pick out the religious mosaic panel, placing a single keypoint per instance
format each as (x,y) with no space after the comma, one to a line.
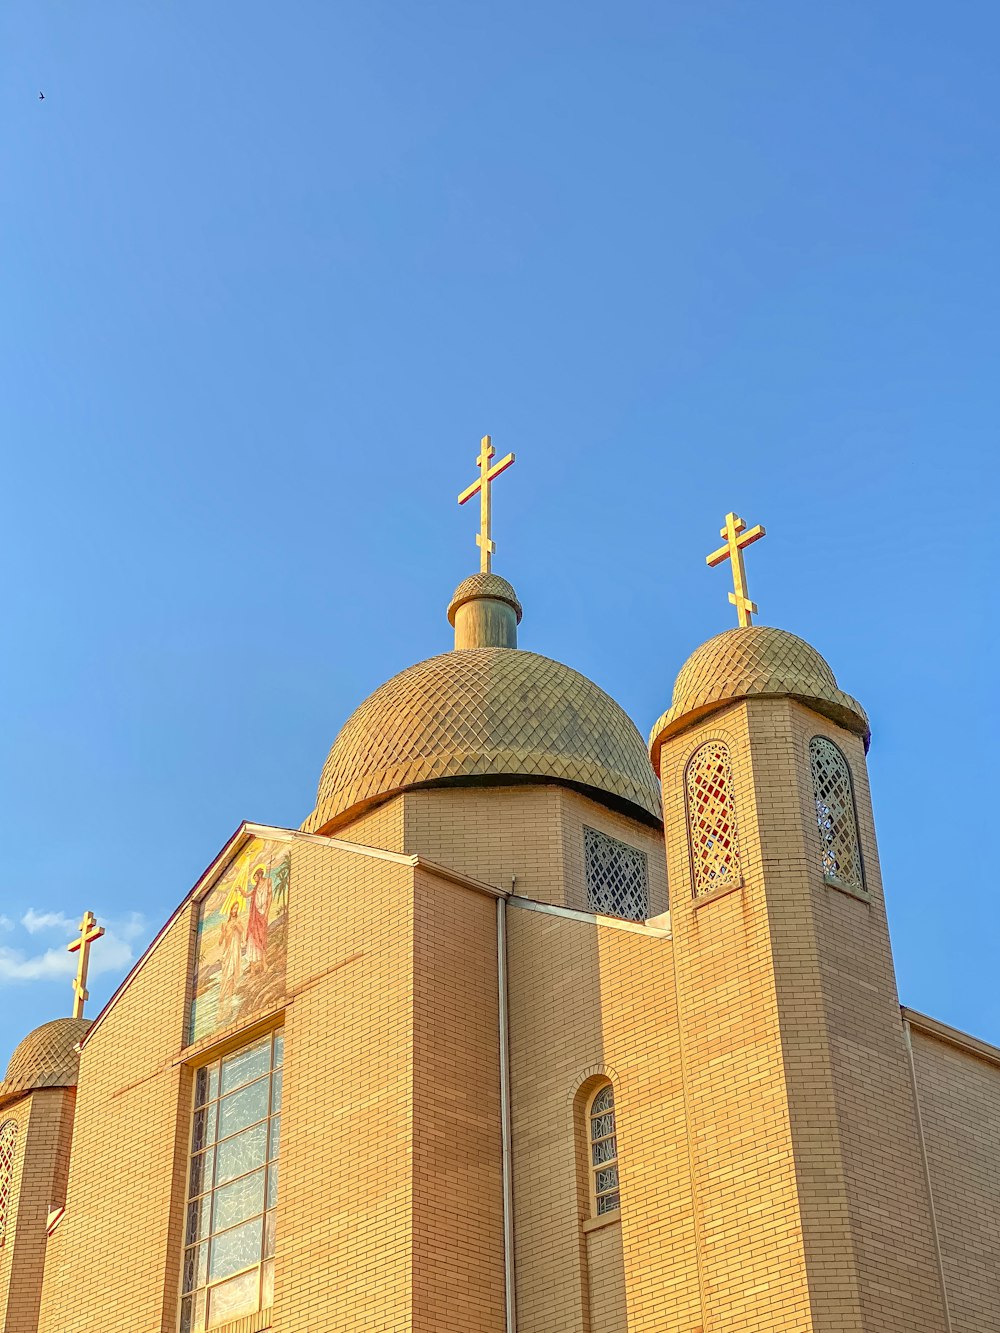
(242,938)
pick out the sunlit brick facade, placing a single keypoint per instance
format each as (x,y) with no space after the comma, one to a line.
(498,1109)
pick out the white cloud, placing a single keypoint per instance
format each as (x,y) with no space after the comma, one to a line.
(16,966)
(114,953)
(5,922)
(34,921)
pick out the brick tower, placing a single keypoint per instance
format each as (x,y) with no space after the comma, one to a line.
(811,1203)
(37,1099)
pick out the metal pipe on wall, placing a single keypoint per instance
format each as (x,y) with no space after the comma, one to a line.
(505,1134)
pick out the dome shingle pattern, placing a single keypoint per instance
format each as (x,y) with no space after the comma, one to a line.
(46,1058)
(484,585)
(755,660)
(485,713)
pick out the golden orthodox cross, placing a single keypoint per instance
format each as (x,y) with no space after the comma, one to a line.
(737,536)
(89,932)
(484,486)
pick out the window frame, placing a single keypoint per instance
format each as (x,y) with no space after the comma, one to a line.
(835,881)
(593,1169)
(209,1193)
(638,852)
(7,1173)
(737,878)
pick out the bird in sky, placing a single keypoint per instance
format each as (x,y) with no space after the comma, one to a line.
(41,97)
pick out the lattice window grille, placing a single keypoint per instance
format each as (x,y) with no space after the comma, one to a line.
(604,1152)
(617,877)
(715,847)
(836,817)
(8,1142)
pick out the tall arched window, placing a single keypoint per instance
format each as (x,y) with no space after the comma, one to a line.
(715,847)
(836,817)
(603,1143)
(8,1142)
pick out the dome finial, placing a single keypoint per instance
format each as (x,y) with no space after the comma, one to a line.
(483,487)
(485,612)
(733,551)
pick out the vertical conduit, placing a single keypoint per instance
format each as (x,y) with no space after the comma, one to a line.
(508,1181)
(927,1173)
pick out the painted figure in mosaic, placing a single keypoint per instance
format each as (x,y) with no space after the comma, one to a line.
(259,904)
(231,953)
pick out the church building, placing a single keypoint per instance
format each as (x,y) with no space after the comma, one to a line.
(531,1027)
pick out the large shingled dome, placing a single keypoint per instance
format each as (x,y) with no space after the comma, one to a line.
(486,714)
(755,660)
(46,1058)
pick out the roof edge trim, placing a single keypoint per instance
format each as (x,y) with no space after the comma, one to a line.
(933,1027)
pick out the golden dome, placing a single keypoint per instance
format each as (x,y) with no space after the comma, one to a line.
(755,660)
(46,1058)
(486,714)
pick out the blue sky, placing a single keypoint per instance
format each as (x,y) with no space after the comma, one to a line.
(270,271)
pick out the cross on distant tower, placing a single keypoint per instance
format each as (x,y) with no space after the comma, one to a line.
(737,536)
(89,932)
(483,486)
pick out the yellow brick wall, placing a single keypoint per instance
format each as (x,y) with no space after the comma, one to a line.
(809,1191)
(770,1160)
(346,1196)
(606,1280)
(588,1001)
(389,1211)
(751,1261)
(45,1124)
(458,1274)
(885,1187)
(533,834)
(959,1096)
(114,1260)
(381,827)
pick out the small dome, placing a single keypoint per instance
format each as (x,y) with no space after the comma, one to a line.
(486,714)
(484,585)
(755,660)
(47,1057)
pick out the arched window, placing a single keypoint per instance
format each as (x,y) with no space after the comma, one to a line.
(617,877)
(836,817)
(603,1142)
(715,847)
(8,1142)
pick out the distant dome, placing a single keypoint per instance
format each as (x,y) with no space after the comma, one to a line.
(46,1058)
(755,660)
(486,714)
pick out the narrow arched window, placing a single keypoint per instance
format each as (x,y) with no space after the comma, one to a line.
(836,815)
(604,1194)
(8,1142)
(715,847)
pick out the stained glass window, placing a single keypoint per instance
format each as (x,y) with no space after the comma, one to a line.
(836,817)
(715,846)
(8,1142)
(228,1268)
(617,882)
(603,1152)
